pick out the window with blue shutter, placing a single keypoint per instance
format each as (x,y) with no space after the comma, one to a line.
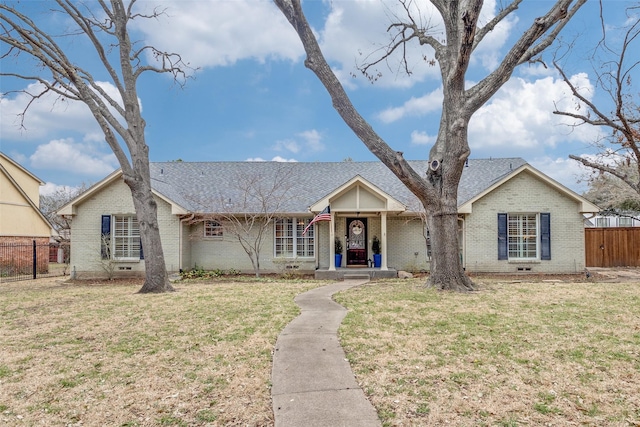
(545,236)
(105,237)
(502,237)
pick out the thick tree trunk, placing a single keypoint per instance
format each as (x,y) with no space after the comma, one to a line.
(446,266)
(156,278)
(451,151)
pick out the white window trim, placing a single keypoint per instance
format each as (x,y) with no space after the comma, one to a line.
(114,238)
(311,234)
(524,259)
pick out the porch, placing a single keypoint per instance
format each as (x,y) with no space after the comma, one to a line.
(343,273)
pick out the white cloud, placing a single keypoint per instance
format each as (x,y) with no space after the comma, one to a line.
(287,145)
(520,116)
(413,107)
(351,33)
(422,138)
(275,159)
(46,115)
(221,33)
(312,140)
(282,159)
(50,115)
(487,52)
(355,33)
(67,155)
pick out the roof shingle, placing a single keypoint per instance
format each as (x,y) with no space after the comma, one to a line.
(198,186)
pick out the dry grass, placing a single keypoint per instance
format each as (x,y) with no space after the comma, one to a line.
(100,354)
(513,354)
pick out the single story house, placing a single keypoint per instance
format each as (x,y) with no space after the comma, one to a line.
(512,218)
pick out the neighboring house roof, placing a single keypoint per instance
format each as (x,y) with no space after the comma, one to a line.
(198,187)
(19,166)
(26,178)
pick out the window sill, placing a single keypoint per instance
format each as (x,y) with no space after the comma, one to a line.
(524,261)
(128,260)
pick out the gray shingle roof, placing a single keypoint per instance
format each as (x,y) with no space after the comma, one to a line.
(200,186)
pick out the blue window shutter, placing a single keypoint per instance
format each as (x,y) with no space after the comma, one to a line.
(545,236)
(105,236)
(502,236)
(141,252)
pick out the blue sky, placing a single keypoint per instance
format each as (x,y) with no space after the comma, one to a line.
(253,99)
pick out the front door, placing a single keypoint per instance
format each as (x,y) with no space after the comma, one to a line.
(357,242)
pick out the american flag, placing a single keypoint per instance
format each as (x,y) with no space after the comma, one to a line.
(325,215)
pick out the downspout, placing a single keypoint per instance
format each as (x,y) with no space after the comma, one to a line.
(463,261)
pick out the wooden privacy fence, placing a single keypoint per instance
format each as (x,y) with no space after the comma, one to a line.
(612,247)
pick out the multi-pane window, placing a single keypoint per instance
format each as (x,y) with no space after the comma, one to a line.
(213,229)
(289,241)
(602,222)
(126,237)
(304,244)
(523,236)
(624,221)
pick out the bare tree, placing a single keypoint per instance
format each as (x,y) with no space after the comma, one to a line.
(246,209)
(49,205)
(104,24)
(611,193)
(614,62)
(438,190)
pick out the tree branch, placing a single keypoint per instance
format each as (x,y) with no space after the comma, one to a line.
(316,62)
(522,51)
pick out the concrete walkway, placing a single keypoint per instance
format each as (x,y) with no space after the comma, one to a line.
(312,383)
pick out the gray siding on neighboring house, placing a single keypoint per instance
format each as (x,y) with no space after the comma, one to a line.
(525,194)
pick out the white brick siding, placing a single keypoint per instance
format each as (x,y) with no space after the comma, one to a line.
(116,199)
(524,194)
(186,247)
(226,253)
(405,239)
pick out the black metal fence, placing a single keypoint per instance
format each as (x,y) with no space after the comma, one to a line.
(20,261)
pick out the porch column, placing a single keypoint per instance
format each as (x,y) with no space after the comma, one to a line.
(332,238)
(383,231)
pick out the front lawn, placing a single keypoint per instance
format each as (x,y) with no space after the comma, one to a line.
(513,354)
(102,355)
